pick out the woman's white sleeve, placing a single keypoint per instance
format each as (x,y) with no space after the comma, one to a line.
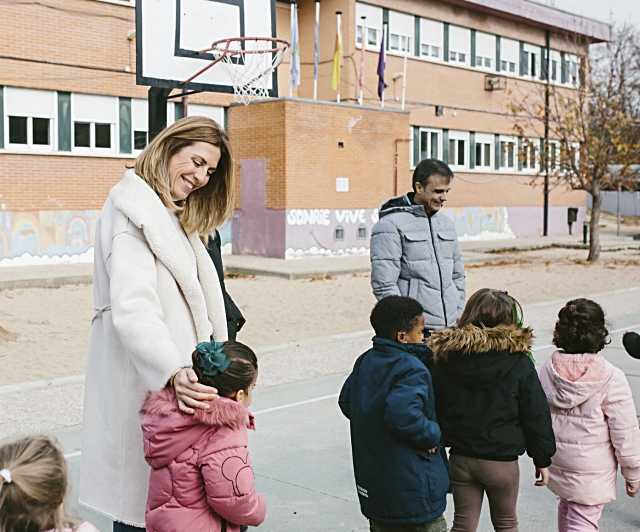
(137,313)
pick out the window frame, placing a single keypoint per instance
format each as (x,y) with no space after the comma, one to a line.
(459,137)
(429,132)
(29,145)
(483,139)
(513,141)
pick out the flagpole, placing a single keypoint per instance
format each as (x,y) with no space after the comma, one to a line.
(361,76)
(385,36)
(404,79)
(316,51)
(339,37)
(293,51)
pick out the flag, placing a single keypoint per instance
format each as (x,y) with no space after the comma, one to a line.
(295,48)
(381,66)
(337,61)
(316,50)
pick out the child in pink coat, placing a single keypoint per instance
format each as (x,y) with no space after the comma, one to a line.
(201,477)
(594,419)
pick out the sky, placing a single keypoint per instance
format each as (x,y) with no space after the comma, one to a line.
(617,11)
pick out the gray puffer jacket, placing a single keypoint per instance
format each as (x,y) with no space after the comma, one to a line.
(416,255)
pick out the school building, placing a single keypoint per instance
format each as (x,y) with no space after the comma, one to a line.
(312,172)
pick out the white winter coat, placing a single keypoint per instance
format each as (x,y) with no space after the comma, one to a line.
(156,295)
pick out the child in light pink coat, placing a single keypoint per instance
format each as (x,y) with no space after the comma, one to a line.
(201,477)
(594,419)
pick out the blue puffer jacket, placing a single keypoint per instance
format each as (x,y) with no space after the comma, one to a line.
(389,400)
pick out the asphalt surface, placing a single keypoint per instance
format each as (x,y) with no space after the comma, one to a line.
(301,450)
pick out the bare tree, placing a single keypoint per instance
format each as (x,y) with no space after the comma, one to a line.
(591,128)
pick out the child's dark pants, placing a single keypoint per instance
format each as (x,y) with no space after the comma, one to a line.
(470,479)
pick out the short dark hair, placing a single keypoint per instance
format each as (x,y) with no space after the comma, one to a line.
(240,375)
(428,167)
(394,314)
(581,327)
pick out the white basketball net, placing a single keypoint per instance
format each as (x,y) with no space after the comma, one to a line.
(250,69)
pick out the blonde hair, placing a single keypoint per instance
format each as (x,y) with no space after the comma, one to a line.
(32,501)
(205,208)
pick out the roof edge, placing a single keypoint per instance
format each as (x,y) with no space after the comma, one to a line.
(594,30)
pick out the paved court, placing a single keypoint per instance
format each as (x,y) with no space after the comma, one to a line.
(301,448)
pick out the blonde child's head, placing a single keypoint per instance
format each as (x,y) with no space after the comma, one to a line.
(489,308)
(231,367)
(33,484)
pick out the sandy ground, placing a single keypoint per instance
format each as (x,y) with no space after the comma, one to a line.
(49,327)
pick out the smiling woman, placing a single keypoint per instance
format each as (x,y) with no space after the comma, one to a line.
(156,295)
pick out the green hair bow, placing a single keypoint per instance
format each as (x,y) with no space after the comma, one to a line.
(213,361)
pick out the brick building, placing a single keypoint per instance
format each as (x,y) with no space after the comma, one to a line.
(312,172)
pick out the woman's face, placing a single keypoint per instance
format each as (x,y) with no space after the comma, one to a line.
(191,168)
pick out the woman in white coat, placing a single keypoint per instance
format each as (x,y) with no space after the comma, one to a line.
(156,295)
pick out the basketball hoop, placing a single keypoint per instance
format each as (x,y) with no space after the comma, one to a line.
(248,62)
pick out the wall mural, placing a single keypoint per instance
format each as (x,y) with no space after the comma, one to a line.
(46,233)
(347,231)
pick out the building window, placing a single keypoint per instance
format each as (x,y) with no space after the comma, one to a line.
(139,140)
(485,50)
(372,25)
(573,72)
(338,233)
(18,130)
(509,52)
(29,131)
(41,131)
(554,70)
(362,233)
(82,134)
(507,154)
(399,43)
(459,45)
(431,39)
(429,144)
(483,153)
(553,155)
(88,135)
(529,155)
(458,142)
(103,135)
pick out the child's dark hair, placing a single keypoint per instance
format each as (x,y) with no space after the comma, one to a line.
(32,495)
(394,314)
(489,308)
(240,373)
(581,327)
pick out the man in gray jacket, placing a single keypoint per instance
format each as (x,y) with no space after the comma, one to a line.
(415,251)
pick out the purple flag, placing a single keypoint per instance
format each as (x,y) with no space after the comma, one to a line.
(381,65)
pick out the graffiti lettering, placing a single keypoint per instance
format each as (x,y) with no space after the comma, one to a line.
(353,216)
(308,217)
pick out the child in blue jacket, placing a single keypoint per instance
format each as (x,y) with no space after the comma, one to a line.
(399,464)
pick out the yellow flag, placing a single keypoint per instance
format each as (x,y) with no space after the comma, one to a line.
(337,63)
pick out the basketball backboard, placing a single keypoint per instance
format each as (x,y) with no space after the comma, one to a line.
(171,34)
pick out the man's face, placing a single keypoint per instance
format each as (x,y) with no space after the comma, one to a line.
(433,196)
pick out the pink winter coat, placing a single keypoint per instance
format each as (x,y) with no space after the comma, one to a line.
(596,428)
(201,475)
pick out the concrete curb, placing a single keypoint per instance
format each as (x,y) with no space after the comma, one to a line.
(46,282)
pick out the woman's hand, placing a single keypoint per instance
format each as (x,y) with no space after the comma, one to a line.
(190,393)
(632,488)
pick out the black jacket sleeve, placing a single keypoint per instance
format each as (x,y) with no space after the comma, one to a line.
(344,401)
(535,417)
(235,319)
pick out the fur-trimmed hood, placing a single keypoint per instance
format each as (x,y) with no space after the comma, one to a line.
(472,340)
(168,431)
